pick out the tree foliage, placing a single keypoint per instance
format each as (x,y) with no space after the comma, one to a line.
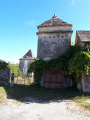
(3,65)
(14,68)
(80,62)
(72,63)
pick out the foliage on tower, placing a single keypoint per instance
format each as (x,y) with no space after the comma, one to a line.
(75,61)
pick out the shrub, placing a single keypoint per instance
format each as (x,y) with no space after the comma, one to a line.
(3,65)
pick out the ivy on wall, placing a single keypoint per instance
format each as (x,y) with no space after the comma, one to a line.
(72,63)
(80,62)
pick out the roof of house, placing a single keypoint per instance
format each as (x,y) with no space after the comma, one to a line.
(84,36)
(55,21)
(29,55)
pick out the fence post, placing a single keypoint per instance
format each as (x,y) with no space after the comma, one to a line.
(24,79)
(17,79)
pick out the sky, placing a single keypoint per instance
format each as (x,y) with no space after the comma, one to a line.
(19,20)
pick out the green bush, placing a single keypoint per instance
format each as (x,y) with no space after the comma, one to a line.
(14,68)
(3,65)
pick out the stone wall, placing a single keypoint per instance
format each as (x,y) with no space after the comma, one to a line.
(24,64)
(79,85)
(55,28)
(21,64)
(86,82)
(67,82)
(4,76)
(52,45)
(78,41)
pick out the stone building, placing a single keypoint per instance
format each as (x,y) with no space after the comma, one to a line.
(25,61)
(83,37)
(54,38)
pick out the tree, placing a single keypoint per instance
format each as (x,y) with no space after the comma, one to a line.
(14,68)
(3,65)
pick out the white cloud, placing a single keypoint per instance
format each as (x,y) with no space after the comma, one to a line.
(72,2)
(31,23)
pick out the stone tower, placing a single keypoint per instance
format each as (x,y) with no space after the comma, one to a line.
(54,38)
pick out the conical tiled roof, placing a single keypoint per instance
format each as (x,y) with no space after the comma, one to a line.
(28,55)
(55,21)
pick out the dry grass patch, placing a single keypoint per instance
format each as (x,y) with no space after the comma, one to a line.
(23,81)
(3,95)
(84,101)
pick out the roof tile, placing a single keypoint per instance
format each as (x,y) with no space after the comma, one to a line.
(84,35)
(55,21)
(28,55)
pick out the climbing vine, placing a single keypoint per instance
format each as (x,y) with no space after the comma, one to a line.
(72,63)
(80,62)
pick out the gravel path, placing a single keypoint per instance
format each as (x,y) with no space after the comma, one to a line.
(55,110)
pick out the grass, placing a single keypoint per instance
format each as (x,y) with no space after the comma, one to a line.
(3,95)
(19,92)
(83,100)
(87,106)
(42,93)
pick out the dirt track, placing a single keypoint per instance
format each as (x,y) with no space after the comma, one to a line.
(35,110)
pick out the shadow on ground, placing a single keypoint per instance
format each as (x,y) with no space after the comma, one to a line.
(37,94)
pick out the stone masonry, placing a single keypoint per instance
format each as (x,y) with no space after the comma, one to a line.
(54,38)
(25,61)
(5,76)
(82,37)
